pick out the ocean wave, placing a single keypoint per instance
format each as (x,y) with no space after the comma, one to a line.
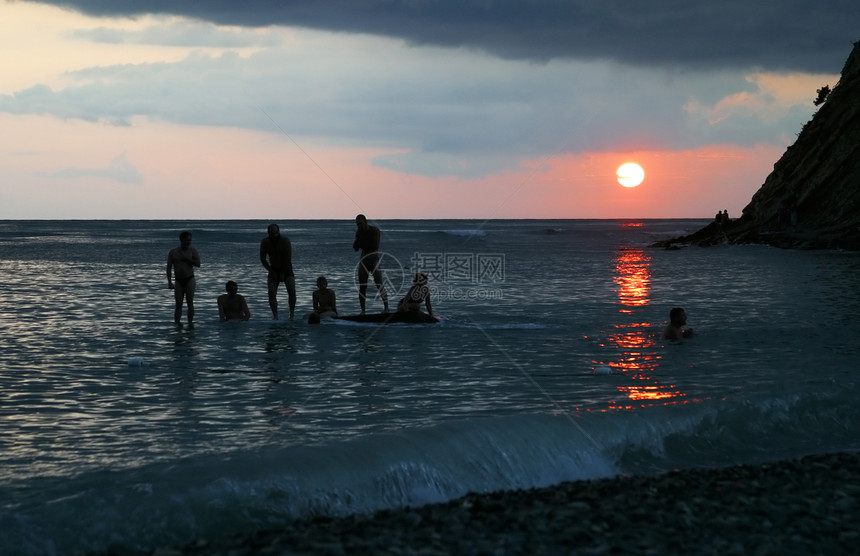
(217,494)
(465,233)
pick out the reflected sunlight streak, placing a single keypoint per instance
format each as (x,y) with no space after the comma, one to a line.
(636,342)
(633,279)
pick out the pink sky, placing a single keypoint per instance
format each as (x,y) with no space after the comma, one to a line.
(147,129)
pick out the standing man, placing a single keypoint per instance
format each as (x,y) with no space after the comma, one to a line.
(276,254)
(183,259)
(367,240)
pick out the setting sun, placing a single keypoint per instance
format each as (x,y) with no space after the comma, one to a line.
(630,174)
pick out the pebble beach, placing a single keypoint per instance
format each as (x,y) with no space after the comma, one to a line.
(805,506)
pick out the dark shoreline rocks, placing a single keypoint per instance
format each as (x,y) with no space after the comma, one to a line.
(742,232)
(805,506)
(811,200)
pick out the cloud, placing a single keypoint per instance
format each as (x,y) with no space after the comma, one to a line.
(119,170)
(435,102)
(182,34)
(799,36)
(435,111)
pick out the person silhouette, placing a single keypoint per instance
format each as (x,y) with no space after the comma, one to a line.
(232,305)
(417,294)
(324,299)
(367,240)
(276,255)
(674,330)
(182,260)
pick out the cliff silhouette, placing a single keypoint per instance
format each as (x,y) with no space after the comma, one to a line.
(811,200)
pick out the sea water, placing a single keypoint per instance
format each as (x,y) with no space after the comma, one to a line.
(119,427)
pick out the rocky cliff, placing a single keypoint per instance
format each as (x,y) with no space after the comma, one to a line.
(812,198)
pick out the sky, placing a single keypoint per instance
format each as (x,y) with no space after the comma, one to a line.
(319,109)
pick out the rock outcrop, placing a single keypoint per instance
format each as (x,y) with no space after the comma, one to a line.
(811,199)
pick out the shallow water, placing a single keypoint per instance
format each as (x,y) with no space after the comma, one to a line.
(547,366)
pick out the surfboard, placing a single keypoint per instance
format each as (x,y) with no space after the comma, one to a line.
(409,317)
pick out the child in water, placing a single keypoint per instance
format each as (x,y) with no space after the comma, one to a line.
(417,293)
(232,305)
(325,300)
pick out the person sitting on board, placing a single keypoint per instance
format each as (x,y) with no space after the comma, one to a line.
(418,293)
(675,330)
(325,300)
(232,305)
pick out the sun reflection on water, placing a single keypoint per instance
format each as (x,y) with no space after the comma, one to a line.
(635,343)
(633,279)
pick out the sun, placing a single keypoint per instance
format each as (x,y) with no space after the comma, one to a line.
(630,174)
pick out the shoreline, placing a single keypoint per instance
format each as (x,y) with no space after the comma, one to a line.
(807,505)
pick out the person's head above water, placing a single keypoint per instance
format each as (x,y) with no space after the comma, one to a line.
(678,316)
(674,330)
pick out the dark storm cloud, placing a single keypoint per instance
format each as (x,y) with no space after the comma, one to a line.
(772,34)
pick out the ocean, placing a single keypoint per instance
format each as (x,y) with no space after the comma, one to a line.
(119,427)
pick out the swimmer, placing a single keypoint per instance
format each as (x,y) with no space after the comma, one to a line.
(675,330)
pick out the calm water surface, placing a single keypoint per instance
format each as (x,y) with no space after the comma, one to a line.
(547,366)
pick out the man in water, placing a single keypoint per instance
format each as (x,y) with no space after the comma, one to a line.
(276,254)
(675,330)
(232,305)
(183,259)
(367,240)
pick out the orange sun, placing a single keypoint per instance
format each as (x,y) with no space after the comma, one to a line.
(630,174)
